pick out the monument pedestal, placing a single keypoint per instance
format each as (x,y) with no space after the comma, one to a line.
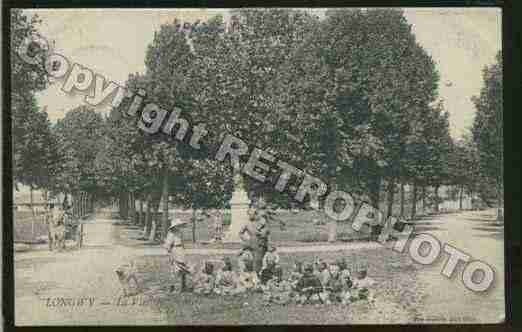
(239,212)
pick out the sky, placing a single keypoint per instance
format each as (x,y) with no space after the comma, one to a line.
(113,42)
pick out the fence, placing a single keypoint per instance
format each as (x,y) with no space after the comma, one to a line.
(29,223)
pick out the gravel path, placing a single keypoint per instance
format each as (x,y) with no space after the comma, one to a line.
(77,287)
(448,300)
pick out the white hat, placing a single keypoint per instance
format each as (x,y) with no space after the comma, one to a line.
(176,222)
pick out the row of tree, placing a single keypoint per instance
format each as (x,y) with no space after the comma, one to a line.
(350,98)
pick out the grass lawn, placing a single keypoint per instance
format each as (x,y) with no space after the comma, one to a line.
(299,229)
(396,292)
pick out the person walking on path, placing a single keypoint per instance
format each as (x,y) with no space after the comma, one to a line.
(176,250)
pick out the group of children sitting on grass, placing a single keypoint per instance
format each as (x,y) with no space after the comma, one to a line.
(308,283)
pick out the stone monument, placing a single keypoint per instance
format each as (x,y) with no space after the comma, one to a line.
(239,211)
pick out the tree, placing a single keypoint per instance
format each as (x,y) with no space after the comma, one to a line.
(26,79)
(428,151)
(487,129)
(80,138)
(240,81)
(157,165)
(35,152)
(381,78)
(34,148)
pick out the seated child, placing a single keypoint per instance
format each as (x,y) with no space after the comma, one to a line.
(271,256)
(321,270)
(335,288)
(246,256)
(270,265)
(296,274)
(277,290)
(362,285)
(226,279)
(248,280)
(205,280)
(268,272)
(346,275)
(309,287)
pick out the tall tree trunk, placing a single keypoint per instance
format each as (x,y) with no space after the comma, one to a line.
(332,224)
(45,196)
(375,194)
(402,200)
(124,206)
(437,198)
(65,199)
(82,202)
(78,205)
(461,193)
(390,197)
(148,218)
(31,198)
(154,226)
(423,194)
(193,225)
(165,199)
(500,205)
(414,201)
(78,201)
(132,206)
(141,219)
(74,205)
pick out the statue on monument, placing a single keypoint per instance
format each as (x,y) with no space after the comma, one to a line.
(249,224)
(239,205)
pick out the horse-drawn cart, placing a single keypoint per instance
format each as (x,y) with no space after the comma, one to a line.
(66,228)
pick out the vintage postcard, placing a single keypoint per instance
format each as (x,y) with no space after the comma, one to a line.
(257,166)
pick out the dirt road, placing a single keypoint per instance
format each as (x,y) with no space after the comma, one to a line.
(448,300)
(78,287)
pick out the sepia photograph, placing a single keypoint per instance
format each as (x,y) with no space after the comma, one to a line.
(256,166)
